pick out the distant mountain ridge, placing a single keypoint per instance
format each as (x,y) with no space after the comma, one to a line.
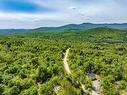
(77,27)
(96,35)
(11,31)
(69,27)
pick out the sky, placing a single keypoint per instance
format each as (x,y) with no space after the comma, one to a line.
(43,13)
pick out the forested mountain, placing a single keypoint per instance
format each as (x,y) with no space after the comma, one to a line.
(31,63)
(77,27)
(69,27)
(101,34)
(11,31)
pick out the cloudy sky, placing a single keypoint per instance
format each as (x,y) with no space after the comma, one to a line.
(41,13)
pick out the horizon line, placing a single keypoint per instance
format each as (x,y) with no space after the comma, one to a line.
(67,24)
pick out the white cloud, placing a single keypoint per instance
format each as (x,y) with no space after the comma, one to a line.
(67,11)
(72,8)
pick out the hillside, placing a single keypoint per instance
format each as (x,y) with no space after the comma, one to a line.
(69,27)
(60,63)
(77,27)
(11,31)
(91,35)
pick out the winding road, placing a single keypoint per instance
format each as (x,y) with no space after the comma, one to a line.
(95,84)
(66,66)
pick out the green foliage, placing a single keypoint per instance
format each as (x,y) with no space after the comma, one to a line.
(34,65)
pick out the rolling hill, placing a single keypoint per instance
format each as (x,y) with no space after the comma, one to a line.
(77,27)
(31,63)
(69,27)
(11,31)
(100,34)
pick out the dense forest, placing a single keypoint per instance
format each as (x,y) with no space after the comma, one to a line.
(32,63)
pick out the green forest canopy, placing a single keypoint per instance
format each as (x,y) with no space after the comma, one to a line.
(31,63)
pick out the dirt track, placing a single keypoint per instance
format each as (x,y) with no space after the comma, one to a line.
(95,84)
(66,66)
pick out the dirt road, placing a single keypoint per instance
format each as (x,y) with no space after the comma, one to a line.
(95,84)
(66,66)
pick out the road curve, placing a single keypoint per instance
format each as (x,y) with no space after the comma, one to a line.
(66,66)
(95,84)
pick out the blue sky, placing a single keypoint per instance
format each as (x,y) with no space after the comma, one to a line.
(41,13)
